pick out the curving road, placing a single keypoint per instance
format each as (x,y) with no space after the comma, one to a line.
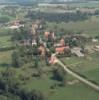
(80,78)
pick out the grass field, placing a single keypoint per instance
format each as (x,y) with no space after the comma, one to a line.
(89,4)
(90,27)
(5,60)
(5,31)
(85,66)
(79,91)
(71,92)
(5,41)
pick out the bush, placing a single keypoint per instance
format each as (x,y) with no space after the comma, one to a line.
(16,60)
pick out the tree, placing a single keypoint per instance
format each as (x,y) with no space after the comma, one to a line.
(97,12)
(16,60)
(8,81)
(67,52)
(23,33)
(32,95)
(50,41)
(24,94)
(47,57)
(59,74)
(37,95)
(36,56)
(58,17)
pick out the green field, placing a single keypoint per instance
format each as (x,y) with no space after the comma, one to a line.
(90,27)
(89,68)
(86,66)
(5,41)
(78,91)
(89,4)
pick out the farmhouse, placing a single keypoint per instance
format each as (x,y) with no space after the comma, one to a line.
(16,25)
(77,52)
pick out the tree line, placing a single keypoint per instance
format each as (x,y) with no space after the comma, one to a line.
(58,17)
(11,88)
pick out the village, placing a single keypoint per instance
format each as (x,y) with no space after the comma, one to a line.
(46,46)
(48,42)
(49,51)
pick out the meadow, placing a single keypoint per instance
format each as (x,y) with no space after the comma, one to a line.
(86,4)
(89,27)
(5,41)
(78,91)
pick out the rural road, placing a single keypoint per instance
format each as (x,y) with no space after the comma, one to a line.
(77,76)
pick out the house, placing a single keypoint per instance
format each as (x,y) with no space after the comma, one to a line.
(46,34)
(62,42)
(94,40)
(34,42)
(42,49)
(50,35)
(23,42)
(35,26)
(61,49)
(96,48)
(77,52)
(16,25)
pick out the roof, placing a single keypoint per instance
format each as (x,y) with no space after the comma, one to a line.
(16,26)
(61,49)
(46,33)
(77,51)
